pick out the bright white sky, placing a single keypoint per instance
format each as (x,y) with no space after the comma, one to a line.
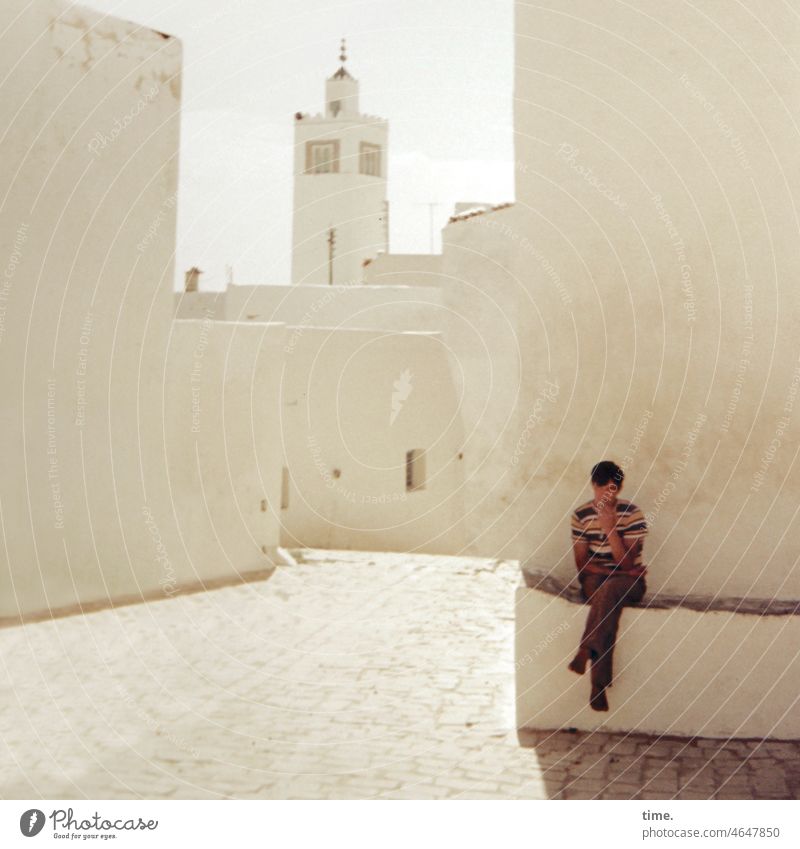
(440,70)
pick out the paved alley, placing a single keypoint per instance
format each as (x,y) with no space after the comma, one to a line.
(347,675)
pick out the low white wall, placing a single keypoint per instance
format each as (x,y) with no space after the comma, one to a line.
(676,671)
(353,403)
(404,270)
(223,446)
(384,308)
(200,305)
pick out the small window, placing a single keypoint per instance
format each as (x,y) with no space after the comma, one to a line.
(322,157)
(415,469)
(284,488)
(369,161)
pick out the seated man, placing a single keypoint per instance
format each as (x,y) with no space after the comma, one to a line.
(607,536)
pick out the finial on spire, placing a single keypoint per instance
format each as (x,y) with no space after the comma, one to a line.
(342,73)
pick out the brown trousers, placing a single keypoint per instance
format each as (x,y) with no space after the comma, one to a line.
(607,595)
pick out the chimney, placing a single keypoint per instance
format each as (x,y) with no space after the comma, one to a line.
(192,279)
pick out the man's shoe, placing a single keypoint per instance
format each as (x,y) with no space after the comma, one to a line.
(598,700)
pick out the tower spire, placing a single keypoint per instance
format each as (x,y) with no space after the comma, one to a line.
(342,73)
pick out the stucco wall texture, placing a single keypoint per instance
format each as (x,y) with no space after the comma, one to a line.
(89,144)
(678,671)
(650,263)
(353,403)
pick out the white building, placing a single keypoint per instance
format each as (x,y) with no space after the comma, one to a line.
(91,106)
(131,470)
(371,435)
(341,215)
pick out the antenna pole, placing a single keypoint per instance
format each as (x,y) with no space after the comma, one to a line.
(331,243)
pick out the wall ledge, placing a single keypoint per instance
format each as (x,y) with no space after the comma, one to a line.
(688,666)
(537,578)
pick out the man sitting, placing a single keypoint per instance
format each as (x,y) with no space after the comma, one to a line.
(607,537)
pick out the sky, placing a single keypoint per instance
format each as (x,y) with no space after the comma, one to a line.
(441,72)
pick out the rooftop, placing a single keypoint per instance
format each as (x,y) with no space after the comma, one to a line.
(478,210)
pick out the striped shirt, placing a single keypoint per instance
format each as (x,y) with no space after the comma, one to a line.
(630,525)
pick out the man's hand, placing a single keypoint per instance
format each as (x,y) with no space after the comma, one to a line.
(631,548)
(607,517)
(624,551)
(580,549)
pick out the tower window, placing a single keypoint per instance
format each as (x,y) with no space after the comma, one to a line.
(322,157)
(369,160)
(415,469)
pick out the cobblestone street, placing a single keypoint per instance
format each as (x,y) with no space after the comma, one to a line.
(348,675)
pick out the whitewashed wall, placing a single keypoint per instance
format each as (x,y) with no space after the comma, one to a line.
(658,173)
(223,446)
(486,301)
(675,672)
(388,269)
(200,305)
(640,294)
(353,403)
(384,308)
(89,108)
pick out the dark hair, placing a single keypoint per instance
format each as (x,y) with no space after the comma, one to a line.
(607,471)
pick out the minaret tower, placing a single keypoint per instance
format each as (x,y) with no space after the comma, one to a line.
(341,216)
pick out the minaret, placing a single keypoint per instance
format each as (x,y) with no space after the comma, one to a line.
(341,216)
